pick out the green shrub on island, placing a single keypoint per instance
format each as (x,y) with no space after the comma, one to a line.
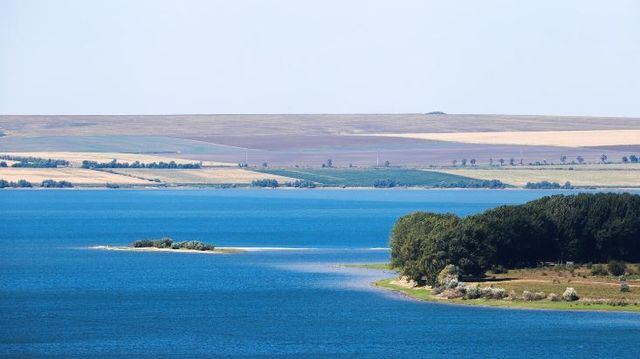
(267,182)
(167,242)
(582,228)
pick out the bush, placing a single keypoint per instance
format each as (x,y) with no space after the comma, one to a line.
(598,269)
(165,242)
(23,184)
(473,293)
(265,183)
(570,295)
(49,183)
(624,287)
(616,268)
(301,184)
(494,293)
(384,183)
(499,269)
(447,275)
(529,296)
(193,245)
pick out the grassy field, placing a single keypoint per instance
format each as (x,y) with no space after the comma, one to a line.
(596,292)
(76,158)
(77,176)
(365,177)
(536,138)
(203,176)
(579,176)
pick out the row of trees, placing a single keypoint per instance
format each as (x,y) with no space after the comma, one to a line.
(563,160)
(548,185)
(137,164)
(32,162)
(582,228)
(49,183)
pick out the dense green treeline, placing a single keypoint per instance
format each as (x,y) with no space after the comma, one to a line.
(33,162)
(138,164)
(49,183)
(582,228)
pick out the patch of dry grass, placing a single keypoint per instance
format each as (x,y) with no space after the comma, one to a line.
(532,138)
(202,176)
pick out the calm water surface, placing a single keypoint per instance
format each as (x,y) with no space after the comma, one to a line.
(59,300)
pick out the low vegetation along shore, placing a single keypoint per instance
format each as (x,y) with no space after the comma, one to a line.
(167,244)
(536,255)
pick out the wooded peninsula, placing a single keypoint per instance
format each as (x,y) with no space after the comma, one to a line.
(562,240)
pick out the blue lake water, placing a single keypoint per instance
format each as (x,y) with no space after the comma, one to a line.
(59,300)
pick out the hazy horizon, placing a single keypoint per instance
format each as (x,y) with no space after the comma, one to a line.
(71,57)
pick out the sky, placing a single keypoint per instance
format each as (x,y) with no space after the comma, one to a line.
(548,57)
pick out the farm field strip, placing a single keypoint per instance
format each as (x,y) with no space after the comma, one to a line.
(77,176)
(520,177)
(76,158)
(201,176)
(531,138)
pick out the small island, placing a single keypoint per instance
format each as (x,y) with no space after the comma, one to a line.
(577,252)
(167,244)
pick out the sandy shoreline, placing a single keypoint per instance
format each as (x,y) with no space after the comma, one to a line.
(217,250)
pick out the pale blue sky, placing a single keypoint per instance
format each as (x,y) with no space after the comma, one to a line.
(327,56)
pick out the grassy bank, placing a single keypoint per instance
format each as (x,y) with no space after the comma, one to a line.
(597,293)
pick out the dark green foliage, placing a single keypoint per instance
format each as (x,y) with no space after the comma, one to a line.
(23,184)
(598,269)
(471,184)
(582,228)
(137,164)
(167,242)
(56,184)
(193,245)
(616,268)
(20,184)
(265,183)
(384,183)
(548,185)
(3,164)
(633,158)
(300,184)
(33,162)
